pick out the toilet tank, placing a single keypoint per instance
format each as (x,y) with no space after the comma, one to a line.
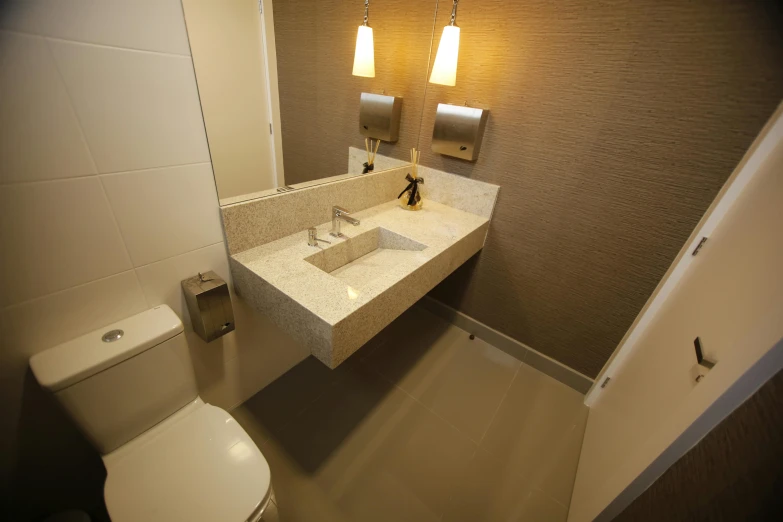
(117,388)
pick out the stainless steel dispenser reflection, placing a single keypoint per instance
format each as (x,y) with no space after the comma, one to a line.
(458,131)
(379,116)
(209,304)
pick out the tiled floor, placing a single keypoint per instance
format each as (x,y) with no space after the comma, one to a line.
(422,424)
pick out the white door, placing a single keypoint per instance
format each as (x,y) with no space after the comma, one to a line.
(229,55)
(731,298)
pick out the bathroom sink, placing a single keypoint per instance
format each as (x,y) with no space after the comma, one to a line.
(335,297)
(359,260)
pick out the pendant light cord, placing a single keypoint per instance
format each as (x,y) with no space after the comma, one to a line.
(453,13)
(366,10)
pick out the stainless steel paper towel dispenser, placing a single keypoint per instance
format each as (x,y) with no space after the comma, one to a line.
(209,304)
(379,116)
(458,131)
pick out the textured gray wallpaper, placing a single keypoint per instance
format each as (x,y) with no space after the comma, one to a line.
(612,127)
(319,98)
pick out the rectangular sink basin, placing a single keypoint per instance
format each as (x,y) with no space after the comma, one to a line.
(359,260)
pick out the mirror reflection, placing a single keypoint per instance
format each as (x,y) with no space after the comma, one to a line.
(281,84)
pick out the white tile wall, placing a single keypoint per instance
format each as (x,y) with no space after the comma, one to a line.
(106,195)
(138,109)
(252,344)
(56,235)
(223,379)
(40,137)
(179,211)
(157,279)
(34,325)
(17,15)
(151,25)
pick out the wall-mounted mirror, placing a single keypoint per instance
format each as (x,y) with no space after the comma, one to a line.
(280,102)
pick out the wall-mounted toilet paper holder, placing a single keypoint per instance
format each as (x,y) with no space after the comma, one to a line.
(209,305)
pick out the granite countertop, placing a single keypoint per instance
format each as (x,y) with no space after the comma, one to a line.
(283,263)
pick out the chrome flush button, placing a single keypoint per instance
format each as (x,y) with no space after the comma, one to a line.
(112,335)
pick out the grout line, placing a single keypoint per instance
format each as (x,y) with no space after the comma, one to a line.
(305,407)
(72,106)
(323,392)
(567,508)
(147,169)
(578,460)
(505,395)
(38,33)
(132,269)
(468,437)
(86,143)
(177,255)
(550,497)
(451,495)
(101,174)
(201,105)
(141,289)
(58,292)
(422,405)
(115,47)
(52,180)
(117,227)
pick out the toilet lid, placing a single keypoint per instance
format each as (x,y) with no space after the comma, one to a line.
(199,467)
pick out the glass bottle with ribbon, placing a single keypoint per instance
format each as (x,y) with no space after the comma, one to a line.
(410,197)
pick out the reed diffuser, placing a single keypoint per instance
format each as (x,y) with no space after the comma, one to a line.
(371,153)
(410,197)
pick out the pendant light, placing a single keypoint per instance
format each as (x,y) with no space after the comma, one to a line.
(364,57)
(444,71)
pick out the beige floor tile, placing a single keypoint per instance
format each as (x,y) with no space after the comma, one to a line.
(271,514)
(298,496)
(251,423)
(326,426)
(539,507)
(367,451)
(387,436)
(414,343)
(271,409)
(489,490)
(459,379)
(557,476)
(537,430)
(468,387)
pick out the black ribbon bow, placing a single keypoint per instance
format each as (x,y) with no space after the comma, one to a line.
(368,167)
(413,186)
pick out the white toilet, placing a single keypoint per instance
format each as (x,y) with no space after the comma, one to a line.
(169,456)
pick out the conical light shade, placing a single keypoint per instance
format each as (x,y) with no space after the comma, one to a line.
(364,58)
(444,71)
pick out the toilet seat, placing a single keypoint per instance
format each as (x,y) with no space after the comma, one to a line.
(198,465)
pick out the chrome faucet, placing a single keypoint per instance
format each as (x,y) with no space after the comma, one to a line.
(340,214)
(312,237)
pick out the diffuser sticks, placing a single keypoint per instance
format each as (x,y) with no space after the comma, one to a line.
(371,153)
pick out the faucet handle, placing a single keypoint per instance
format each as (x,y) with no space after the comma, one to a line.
(313,239)
(338,211)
